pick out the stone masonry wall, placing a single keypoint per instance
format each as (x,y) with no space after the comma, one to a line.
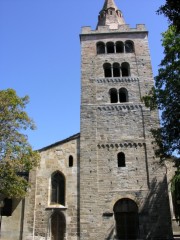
(39,208)
(11,226)
(107,129)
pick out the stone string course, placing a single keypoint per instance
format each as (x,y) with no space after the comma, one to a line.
(116,80)
(120,107)
(122,145)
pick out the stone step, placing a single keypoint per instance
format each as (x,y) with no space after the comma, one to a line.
(177,237)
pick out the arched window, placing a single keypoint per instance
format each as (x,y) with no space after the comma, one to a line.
(129,46)
(123,95)
(116,70)
(125,69)
(119,47)
(107,70)
(121,159)
(113,95)
(100,48)
(57,188)
(126,217)
(110,47)
(70,161)
(58,226)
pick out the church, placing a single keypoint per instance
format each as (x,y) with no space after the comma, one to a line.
(104,183)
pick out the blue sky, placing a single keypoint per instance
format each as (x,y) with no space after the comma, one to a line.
(40,56)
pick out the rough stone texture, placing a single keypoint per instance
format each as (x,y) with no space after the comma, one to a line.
(107,129)
(11,226)
(95,182)
(110,15)
(38,208)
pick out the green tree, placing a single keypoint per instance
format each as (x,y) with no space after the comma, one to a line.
(175,189)
(16,154)
(166,96)
(171,9)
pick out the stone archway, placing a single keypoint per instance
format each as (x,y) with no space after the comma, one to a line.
(126,217)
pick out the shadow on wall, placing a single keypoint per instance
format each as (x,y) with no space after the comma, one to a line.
(154,213)
(10,206)
(176,199)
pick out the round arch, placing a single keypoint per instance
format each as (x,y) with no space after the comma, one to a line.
(100,46)
(129,46)
(113,95)
(107,70)
(110,47)
(126,219)
(123,95)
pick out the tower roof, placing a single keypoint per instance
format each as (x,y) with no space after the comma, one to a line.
(110,15)
(109,4)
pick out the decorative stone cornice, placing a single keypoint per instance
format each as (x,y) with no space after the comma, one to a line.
(117,80)
(121,145)
(120,107)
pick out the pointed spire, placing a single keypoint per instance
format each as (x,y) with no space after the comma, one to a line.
(109,4)
(110,15)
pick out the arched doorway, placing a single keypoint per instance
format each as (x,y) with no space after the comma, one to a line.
(58,226)
(126,217)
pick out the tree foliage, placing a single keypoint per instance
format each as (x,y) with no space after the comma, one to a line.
(175,189)
(171,9)
(16,154)
(166,96)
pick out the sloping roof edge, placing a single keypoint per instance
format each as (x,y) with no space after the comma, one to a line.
(75,136)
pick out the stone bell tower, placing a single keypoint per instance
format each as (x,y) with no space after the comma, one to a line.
(123,190)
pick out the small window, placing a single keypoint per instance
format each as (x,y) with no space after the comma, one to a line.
(129,47)
(100,48)
(116,70)
(70,161)
(107,70)
(110,47)
(119,47)
(57,188)
(113,95)
(125,69)
(121,159)
(123,95)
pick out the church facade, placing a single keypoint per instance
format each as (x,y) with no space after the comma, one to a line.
(105,182)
